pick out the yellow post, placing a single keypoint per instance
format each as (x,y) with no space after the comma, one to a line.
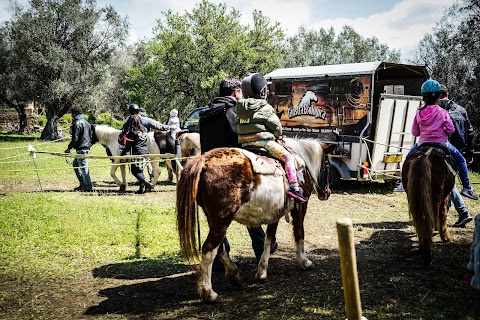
(348,263)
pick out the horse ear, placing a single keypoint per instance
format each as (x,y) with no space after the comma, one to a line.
(328,147)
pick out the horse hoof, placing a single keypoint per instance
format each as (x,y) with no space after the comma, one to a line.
(123,188)
(261,280)
(209,297)
(305,265)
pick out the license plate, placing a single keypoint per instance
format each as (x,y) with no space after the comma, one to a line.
(389,158)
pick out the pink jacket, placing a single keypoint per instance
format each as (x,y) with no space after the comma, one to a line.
(432,124)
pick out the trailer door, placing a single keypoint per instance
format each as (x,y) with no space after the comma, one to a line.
(393,136)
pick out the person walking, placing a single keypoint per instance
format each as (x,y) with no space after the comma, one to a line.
(81,132)
(463,139)
(218,128)
(146,122)
(135,129)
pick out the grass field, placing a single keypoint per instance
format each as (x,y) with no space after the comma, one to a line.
(105,255)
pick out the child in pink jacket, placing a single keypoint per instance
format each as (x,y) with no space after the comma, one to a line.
(433,124)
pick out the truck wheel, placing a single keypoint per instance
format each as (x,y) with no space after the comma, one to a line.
(334,177)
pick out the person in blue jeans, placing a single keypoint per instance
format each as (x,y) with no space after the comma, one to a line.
(463,138)
(81,132)
(433,124)
(218,128)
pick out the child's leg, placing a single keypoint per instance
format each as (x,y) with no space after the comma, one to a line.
(414,148)
(462,166)
(280,153)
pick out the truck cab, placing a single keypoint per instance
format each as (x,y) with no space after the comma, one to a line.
(366,108)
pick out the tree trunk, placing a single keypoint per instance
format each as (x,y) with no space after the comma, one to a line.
(50,132)
(23,120)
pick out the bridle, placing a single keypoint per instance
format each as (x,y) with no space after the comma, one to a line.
(323,179)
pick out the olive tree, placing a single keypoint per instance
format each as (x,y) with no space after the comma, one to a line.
(59,54)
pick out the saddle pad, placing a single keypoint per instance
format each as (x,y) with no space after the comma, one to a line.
(263,165)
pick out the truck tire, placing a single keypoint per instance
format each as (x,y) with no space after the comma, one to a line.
(334,177)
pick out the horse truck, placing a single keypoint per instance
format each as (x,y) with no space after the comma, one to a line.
(367,109)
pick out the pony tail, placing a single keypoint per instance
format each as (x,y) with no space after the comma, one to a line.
(420,202)
(187,190)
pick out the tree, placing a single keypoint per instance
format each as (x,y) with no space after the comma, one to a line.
(321,47)
(60,54)
(452,53)
(182,66)
(8,95)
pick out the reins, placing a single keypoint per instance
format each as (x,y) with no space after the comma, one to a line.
(324,172)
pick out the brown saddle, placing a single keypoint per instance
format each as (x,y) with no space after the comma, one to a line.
(428,147)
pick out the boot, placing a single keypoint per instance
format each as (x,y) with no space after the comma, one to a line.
(141,190)
(148,186)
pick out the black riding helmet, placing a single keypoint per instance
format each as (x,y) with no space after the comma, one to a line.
(133,109)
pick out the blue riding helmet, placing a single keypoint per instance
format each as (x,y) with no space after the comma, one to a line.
(431,86)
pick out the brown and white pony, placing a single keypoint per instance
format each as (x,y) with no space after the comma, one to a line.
(224,184)
(428,182)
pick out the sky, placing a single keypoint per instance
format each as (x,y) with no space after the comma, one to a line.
(400,24)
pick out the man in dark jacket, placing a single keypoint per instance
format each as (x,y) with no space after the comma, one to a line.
(463,140)
(81,132)
(218,128)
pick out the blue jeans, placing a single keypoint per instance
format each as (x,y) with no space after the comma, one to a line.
(457,201)
(82,174)
(461,162)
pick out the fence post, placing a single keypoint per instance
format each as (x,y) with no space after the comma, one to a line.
(348,263)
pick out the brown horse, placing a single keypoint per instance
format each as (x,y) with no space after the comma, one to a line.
(226,185)
(428,181)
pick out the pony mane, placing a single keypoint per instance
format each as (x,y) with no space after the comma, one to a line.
(106,134)
(311,151)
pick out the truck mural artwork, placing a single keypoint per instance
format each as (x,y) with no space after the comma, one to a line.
(366,108)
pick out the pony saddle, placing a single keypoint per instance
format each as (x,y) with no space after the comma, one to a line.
(443,151)
(264,163)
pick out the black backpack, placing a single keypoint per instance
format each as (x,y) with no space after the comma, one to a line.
(215,128)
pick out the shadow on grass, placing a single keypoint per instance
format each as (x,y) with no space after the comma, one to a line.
(394,284)
(12,137)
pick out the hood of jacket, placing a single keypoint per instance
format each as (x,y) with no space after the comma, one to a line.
(247,107)
(426,113)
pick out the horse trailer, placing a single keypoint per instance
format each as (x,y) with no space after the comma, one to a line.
(366,108)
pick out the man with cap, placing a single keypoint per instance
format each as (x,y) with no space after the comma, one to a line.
(218,128)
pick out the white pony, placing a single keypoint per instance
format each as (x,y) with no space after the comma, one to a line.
(108,137)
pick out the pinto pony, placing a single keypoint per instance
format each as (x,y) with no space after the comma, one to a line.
(223,182)
(428,181)
(108,137)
